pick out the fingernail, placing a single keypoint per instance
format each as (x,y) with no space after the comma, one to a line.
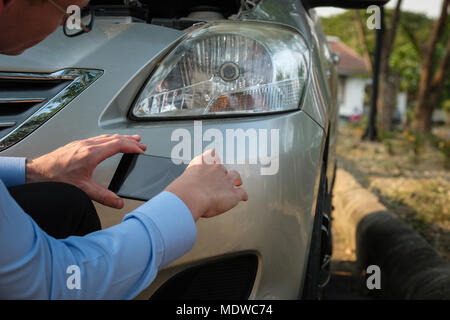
(119,203)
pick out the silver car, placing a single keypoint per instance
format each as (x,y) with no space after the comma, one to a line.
(257,76)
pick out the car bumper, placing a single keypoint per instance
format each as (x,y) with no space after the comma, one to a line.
(275,223)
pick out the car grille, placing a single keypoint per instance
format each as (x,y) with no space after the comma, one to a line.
(230,278)
(27,100)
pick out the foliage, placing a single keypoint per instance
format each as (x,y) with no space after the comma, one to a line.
(414,141)
(446,106)
(412,36)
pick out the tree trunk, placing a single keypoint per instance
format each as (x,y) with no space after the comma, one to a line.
(430,88)
(422,121)
(363,41)
(387,98)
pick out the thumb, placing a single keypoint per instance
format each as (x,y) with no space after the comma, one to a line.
(103,195)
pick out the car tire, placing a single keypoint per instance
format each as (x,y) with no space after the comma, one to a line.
(311,287)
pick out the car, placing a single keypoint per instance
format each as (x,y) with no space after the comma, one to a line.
(257,76)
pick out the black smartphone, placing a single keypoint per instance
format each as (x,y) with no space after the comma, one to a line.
(141,177)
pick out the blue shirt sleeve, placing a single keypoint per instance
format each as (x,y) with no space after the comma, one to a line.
(12,171)
(114,263)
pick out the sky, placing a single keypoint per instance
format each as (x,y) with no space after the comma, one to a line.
(431,8)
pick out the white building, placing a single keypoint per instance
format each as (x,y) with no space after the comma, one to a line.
(353,78)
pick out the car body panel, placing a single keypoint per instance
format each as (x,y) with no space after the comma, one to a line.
(320,101)
(109,46)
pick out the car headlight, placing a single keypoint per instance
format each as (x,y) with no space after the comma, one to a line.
(228,68)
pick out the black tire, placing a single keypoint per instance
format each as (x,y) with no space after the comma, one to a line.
(311,290)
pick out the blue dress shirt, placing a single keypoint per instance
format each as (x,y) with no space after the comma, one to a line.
(114,263)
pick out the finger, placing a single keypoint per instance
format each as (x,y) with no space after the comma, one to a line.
(208,157)
(112,147)
(222,168)
(134,137)
(211,157)
(242,194)
(202,158)
(102,195)
(235,177)
(108,137)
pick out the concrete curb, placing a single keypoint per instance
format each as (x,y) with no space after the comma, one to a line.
(410,267)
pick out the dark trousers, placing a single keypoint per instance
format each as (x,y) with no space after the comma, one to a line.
(60,209)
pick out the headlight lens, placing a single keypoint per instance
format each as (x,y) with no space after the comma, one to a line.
(228,68)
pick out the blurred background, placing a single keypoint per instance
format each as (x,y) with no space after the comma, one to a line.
(407,165)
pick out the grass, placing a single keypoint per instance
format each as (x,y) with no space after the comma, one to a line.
(409,173)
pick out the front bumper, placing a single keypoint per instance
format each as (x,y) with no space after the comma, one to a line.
(275,223)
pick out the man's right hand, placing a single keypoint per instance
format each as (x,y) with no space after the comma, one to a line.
(207,188)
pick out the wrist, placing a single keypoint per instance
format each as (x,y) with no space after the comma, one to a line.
(196,203)
(31,172)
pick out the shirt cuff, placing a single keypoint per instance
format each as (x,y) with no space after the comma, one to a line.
(12,171)
(174,221)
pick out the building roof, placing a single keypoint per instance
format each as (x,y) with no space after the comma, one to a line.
(351,63)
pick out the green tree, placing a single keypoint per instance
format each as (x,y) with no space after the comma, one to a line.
(433,73)
(415,30)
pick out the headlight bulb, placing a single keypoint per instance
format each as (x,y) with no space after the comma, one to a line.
(229,71)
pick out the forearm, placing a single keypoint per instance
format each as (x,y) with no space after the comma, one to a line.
(129,255)
(115,263)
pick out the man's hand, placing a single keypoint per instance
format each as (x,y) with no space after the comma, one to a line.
(75,163)
(207,188)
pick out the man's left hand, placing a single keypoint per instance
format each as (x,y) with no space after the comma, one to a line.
(75,163)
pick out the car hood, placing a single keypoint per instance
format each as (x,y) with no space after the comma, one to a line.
(109,46)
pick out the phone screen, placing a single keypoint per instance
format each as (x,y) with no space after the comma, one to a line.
(141,177)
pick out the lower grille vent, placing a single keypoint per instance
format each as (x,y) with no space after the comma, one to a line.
(226,278)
